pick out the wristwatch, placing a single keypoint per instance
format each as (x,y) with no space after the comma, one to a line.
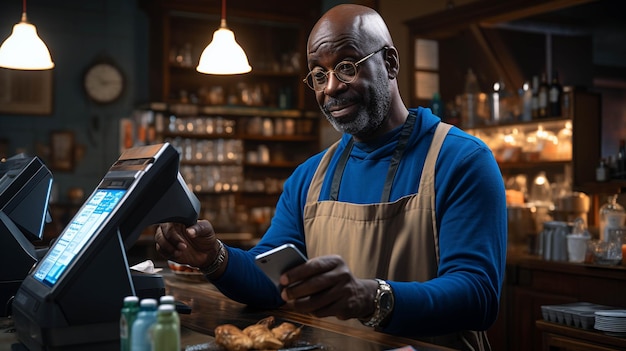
(221,256)
(383,304)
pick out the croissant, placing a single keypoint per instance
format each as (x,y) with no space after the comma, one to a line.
(268,321)
(262,337)
(287,333)
(232,338)
(259,336)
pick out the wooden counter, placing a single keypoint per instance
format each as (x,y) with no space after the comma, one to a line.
(211,308)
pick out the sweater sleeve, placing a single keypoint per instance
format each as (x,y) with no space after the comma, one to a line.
(471,220)
(242,276)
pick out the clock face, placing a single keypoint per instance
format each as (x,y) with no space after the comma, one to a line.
(104,82)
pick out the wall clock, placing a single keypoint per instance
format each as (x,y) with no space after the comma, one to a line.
(104,82)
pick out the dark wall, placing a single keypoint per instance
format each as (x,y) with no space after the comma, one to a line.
(77,32)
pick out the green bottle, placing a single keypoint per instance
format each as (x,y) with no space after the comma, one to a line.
(127,317)
(169,300)
(165,332)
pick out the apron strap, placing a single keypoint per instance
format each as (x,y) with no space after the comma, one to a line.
(315,188)
(403,140)
(341,166)
(427,182)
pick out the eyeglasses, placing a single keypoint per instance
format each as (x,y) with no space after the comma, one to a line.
(345,71)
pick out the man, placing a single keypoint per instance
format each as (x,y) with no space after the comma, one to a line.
(403,219)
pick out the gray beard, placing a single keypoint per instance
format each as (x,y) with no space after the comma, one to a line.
(369,118)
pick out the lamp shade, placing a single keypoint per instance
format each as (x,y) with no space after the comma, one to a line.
(24,49)
(223,55)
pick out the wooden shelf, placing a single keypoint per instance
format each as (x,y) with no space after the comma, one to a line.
(548,123)
(610,187)
(533,164)
(273,93)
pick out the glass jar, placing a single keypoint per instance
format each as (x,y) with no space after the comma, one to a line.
(612,215)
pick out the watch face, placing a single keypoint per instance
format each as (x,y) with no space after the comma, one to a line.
(104,82)
(386,301)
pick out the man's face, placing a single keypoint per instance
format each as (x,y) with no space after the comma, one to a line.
(358,107)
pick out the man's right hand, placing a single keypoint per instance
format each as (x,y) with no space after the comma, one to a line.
(196,245)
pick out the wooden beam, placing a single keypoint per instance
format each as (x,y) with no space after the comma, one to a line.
(512,75)
(447,23)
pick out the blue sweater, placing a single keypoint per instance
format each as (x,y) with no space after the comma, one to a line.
(471,219)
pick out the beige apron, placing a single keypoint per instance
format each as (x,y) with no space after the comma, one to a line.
(395,241)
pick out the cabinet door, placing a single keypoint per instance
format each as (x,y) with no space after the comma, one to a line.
(526,309)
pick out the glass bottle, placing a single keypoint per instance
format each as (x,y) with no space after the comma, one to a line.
(127,317)
(169,300)
(526,95)
(555,96)
(165,333)
(540,191)
(621,160)
(534,100)
(469,110)
(612,215)
(140,334)
(602,171)
(435,105)
(544,90)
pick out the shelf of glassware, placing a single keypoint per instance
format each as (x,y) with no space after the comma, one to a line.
(235,158)
(538,143)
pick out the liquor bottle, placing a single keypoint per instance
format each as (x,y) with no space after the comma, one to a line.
(544,90)
(534,100)
(469,109)
(127,317)
(526,95)
(140,334)
(555,95)
(602,171)
(166,333)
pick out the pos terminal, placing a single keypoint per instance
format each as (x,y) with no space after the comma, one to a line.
(25,184)
(72,299)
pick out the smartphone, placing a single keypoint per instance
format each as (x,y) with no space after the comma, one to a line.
(279,260)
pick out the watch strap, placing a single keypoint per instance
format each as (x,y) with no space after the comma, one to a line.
(381,312)
(221,256)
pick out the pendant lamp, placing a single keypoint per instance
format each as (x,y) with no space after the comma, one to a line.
(23,49)
(223,55)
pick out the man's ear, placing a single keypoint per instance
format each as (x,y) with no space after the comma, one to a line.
(392,61)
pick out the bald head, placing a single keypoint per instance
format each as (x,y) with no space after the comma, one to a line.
(370,104)
(350,25)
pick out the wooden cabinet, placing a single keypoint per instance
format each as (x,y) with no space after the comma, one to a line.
(563,338)
(240,136)
(531,282)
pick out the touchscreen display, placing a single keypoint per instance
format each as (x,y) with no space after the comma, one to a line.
(77,234)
